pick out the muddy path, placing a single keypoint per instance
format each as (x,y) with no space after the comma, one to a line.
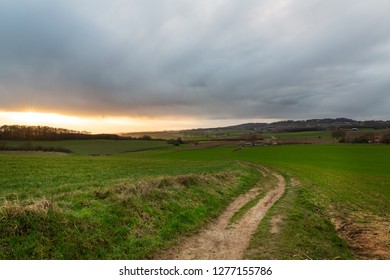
(222,240)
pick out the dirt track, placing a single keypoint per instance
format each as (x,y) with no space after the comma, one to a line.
(224,241)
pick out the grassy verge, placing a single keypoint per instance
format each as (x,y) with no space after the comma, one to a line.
(125,220)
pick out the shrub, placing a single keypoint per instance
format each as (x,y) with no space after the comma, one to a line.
(386,138)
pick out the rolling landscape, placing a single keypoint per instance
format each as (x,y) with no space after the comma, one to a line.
(195,130)
(148,199)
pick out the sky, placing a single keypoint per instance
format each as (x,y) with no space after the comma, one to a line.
(141,65)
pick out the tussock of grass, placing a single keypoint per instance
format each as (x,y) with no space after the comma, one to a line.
(12,209)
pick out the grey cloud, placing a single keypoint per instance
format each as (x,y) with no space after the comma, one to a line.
(226,59)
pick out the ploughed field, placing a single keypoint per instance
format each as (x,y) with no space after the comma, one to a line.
(120,204)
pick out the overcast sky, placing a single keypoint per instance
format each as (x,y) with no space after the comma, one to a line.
(226,59)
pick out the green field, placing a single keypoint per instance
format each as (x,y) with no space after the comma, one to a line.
(347,183)
(95,147)
(214,134)
(134,205)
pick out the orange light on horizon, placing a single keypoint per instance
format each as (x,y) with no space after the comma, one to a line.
(34,118)
(97,124)
(91,124)
(114,124)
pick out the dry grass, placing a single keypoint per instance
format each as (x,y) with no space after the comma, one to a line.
(144,187)
(368,234)
(42,206)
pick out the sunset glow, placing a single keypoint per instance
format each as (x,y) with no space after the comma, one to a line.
(94,125)
(174,66)
(34,118)
(113,124)
(91,124)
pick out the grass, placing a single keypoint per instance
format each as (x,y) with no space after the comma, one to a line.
(297,227)
(193,135)
(133,205)
(338,182)
(37,176)
(124,221)
(118,207)
(95,147)
(356,176)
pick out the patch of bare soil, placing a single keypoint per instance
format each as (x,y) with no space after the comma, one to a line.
(370,240)
(276,221)
(224,241)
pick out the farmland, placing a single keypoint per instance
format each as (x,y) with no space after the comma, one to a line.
(93,147)
(137,204)
(347,183)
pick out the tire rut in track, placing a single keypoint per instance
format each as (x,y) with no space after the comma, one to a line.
(224,241)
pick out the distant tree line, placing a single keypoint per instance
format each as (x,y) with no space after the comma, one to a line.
(46,133)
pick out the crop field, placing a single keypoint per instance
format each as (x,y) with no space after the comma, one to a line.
(137,205)
(94,147)
(349,184)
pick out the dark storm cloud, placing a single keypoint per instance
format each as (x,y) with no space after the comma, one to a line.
(215,59)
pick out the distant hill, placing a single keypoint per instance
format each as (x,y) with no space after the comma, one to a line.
(302,125)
